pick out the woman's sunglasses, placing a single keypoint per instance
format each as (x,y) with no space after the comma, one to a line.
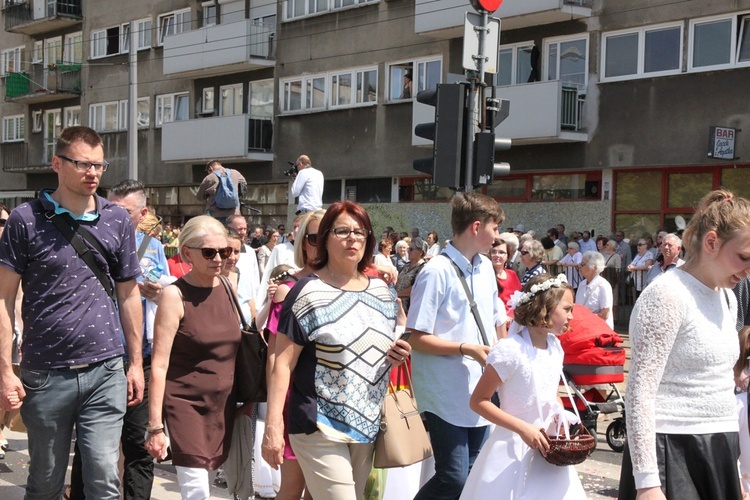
(210,253)
(312,239)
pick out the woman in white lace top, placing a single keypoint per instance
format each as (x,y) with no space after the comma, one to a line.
(683,437)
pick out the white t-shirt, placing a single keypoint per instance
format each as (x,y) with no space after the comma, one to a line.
(596,296)
(308,185)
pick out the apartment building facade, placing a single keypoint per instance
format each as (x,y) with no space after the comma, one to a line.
(614,107)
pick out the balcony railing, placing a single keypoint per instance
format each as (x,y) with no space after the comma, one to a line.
(15,156)
(44,83)
(571,108)
(260,134)
(22,17)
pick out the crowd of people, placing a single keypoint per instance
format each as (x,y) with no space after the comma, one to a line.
(134,353)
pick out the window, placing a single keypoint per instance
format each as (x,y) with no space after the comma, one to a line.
(105,42)
(231,11)
(172,23)
(354,87)
(171,108)
(719,42)
(423,74)
(209,105)
(36,121)
(743,52)
(73,48)
(314,88)
(53,50)
(652,51)
(13,128)
(567,60)
(37,54)
(10,60)
(230,100)
(514,63)
(260,99)
(104,117)
(302,8)
(209,13)
(142,118)
(52,129)
(143,33)
(72,116)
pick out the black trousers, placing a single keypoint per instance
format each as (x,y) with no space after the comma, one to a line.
(138,477)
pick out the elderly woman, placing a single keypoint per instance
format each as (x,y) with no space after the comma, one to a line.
(417,251)
(264,252)
(507,280)
(532,253)
(640,265)
(433,243)
(196,337)
(595,292)
(401,259)
(332,326)
(570,265)
(383,259)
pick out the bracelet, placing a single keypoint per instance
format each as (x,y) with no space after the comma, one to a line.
(152,430)
(155,431)
(460,350)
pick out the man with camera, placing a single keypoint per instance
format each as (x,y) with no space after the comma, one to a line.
(308,186)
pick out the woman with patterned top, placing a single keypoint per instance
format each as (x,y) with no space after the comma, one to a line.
(683,439)
(639,267)
(336,336)
(417,251)
(532,253)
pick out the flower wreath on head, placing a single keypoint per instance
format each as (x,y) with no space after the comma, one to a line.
(519,298)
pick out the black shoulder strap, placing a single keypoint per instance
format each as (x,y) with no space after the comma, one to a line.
(69,227)
(143,246)
(472,302)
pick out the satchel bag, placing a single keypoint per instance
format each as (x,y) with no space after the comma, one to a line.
(402,439)
(252,355)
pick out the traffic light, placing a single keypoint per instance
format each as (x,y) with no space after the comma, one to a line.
(447,132)
(485,144)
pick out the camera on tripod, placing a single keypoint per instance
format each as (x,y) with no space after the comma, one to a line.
(292,171)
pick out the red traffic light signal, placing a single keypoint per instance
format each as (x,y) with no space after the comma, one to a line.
(488,5)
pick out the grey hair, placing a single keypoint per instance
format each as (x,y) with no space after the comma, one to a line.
(575,245)
(675,238)
(594,260)
(511,240)
(401,244)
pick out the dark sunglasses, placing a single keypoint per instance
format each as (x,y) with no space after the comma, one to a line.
(210,253)
(312,238)
(2,222)
(524,252)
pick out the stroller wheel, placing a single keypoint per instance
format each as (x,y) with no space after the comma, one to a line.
(616,435)
(592,431)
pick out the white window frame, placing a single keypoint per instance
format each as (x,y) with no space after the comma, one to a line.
(98,116)
(100,36)
(36,121)
(741,27)
(208,94)
(14,128)
(416,75)
(70,114)
(143,28)
(124,118)
(14,55)
(331,6)
(37,53)
(560,40)
(54,45)
(69,46)
(641,56)
(514,48)
(732,49)
(178,20)
(166,102)
(251,109)
(306,84)
(234,87)
(353,92)
(207,5)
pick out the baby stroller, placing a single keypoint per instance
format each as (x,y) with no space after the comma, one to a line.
(593,366)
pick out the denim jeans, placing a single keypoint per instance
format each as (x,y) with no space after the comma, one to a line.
(93,399)
(455,449)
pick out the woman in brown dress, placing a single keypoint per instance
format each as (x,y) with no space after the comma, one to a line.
(196,337)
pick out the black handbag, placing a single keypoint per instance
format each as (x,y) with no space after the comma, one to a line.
(252,355)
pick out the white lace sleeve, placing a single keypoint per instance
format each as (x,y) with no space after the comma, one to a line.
(655,322)
(504,357)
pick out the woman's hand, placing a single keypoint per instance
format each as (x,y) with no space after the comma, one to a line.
(156,445)
(399,351)
(272,448)
(535,438)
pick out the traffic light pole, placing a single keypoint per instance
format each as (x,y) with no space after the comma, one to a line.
(476,86)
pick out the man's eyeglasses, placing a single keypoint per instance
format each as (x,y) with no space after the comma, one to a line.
(312,238)
(344,232)
(641,244)
(84,166)
(210,253)
(524,252)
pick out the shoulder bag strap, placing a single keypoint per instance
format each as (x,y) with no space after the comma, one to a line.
(69,227)
(235,302)
(143,246)
(472,302)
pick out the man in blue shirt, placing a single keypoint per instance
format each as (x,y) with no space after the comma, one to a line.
(448,349)
(71,366)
